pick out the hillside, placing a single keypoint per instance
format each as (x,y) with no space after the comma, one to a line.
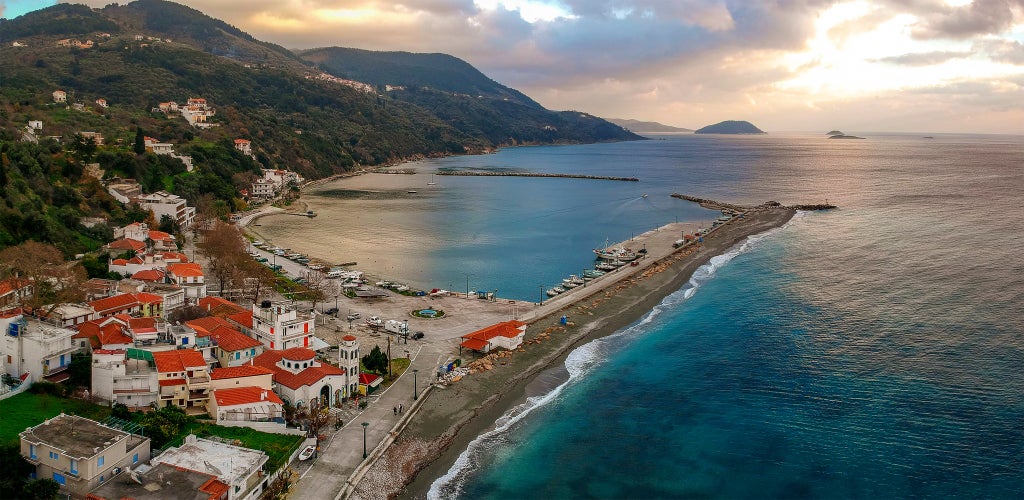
(134,57)
(730,127)
(641,127)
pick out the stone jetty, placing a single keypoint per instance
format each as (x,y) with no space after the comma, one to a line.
(474,173)
(718,205)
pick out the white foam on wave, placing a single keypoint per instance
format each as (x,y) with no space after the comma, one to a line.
(582,360)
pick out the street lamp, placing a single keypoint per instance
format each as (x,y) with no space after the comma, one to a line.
(415,393)
(365,425)
(541,294)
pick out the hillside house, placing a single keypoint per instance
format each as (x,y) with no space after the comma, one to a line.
(190,277)
(29,346)
(164,203)
(125,190)
(101,103)
(13,291)
(244,145)
(231,347)
(96,137)
(60,96)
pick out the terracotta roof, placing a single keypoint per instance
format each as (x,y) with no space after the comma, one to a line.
(180,257)
(159,235)
(178,361)
(185,269)
(127,244)
(207,324)
(367,378)
(309,376)
(298,354)
(116,303)
(244,396)
(149,275)
(9,285)
(233,340)
(243,318)
(475,344)
(172,382)
(241,141)
(209,302)
(101,332)
(510,329)
(148,298)
(348,338)
(109,351)
(119,262)
(239,372)
(216,488)
(142,325)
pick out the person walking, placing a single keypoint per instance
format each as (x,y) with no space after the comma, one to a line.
(395,410)
(401,408)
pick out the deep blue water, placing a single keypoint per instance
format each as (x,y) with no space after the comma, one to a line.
(875,351)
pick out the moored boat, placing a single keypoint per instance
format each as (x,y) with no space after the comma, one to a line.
(555,291)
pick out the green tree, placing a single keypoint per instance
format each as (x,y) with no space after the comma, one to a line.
(165,424)
(80,370)
(14,470)
(376,361)
(140,141)
(40,489)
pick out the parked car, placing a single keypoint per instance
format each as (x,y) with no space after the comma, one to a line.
(332,311)
(353,316)
(417,335)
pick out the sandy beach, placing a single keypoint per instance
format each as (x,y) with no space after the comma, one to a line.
(455,414)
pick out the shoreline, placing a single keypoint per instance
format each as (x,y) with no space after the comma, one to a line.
(454,415)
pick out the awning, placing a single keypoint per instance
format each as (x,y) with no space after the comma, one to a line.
(318,344)
(475,344)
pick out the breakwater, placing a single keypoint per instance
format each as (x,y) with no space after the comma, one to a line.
(469,173)
(719,205)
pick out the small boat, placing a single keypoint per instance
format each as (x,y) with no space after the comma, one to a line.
(568,284)
(592,273)
(643,195)
(555,291)
(615,254)
(431,183)
(606,266)
(573,280)
(411,191)
(307,453)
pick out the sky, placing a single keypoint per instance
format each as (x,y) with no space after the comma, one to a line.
(784,65)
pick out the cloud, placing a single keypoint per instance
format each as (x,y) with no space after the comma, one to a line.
(980,17)
(1007,51)
(924,58)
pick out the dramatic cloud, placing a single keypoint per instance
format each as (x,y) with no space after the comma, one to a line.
(785,64)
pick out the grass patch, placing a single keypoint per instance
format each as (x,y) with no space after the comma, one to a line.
(278,447)
(27,409)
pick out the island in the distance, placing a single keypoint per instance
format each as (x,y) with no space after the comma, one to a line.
(730,127)
(641,127)
(835,134)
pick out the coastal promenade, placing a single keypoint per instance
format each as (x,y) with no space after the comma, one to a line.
(448,414)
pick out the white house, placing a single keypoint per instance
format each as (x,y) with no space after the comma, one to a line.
(246,404)
(507,335)
(264,188)
(32,347)
(189,276)
(35,124)
(280,326)
(244,145)
(164,203)
(68,315)
(118,377)
(240,468)
(301,378)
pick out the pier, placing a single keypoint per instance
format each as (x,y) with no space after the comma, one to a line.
(719,205)
(468,173)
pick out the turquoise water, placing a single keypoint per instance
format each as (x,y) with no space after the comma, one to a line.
(870,352)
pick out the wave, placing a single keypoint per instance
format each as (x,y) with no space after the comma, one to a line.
(578,363)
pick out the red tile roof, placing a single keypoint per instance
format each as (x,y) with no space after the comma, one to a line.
(244,396)
(172,382)
(207,324)
(184,269)
(178,361)
(11,284)
(127,244)
(243,318)
(475,344)
(159,235)
(115,304)
(348,338)
(180,257)
(209,302)
(367,378)
(510,329)
(239,372)
(149,275)
(142,325)
(298,354)
(101,332)
(148,298)
(309,376)
(232,340)
(120,262)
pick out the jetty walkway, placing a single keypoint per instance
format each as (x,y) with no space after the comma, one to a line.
(471,173)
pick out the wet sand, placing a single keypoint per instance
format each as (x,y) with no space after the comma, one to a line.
(453,415)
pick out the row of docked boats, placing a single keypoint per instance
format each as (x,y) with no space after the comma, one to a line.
(574,281)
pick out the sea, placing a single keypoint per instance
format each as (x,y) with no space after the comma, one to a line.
(871,351)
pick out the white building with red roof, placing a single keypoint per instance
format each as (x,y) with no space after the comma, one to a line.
(125,303)
(244,145)
(190,277)
(508,335)
(231,347)
(110,334)
(13,290)
(244,405)
(184,380)
(241,376)
(300,377)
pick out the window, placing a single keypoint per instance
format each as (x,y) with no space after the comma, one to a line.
(135,458)
(238,355)
(59,478)
(54,455)
(99,462)
(184,341)
(32,451)
(74,466)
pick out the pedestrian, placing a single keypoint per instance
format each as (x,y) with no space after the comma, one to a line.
(395,409)
(401,408)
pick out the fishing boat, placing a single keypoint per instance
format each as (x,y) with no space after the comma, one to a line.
(592,273)
(307,453)
(573,280)
(606,266)
(568,284)
(621,253)
(555,291)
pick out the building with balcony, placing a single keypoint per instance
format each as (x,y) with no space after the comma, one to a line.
(36,348)
(164,203)
(126,377)
(231,347)
(163,482)
(246,405)
(190,277)
(184,380)
(80,454)
(279,326)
